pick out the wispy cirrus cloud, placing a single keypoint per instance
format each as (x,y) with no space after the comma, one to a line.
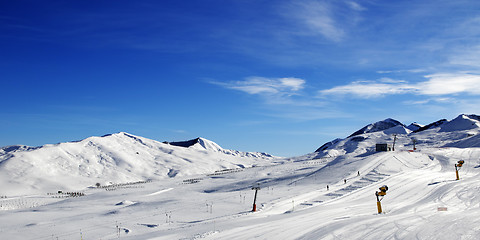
(437,84)
(268,86)
(285,98)
(466,56)
(369,89)
(415,70)
(318,17)
(355,6)
(430,100)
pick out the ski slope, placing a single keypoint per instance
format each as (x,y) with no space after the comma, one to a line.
(424,201)
(293,203)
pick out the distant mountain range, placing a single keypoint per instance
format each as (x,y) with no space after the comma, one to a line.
(114,158)
(460,132)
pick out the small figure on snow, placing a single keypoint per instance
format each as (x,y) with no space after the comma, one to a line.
(328,187)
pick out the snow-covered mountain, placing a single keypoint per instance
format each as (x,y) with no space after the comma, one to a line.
(378,126)
(328,194)
(123,157)
(414,126)
(198,143)
(205,144)
(114,158)
(460,132)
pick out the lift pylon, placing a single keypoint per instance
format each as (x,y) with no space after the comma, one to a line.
(255,198)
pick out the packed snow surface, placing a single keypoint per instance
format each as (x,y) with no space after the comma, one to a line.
(208,194)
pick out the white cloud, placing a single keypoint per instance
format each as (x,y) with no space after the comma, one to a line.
(416,70)
(390,80)
(318,18)
(431,100)
(466,56)
(269,86)
(355,6)
(448,83)
(369,89)
(437,84)
(294,84)
(283,98)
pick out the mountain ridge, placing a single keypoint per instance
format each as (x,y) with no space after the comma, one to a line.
(141,179)
(124,157)
(382,131)
(113,158)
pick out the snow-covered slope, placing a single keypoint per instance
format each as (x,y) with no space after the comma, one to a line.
(378,126)
(414,126)
(115,158)
(203,144)
(198,143)
(462,122)
(459,132)
(329,194)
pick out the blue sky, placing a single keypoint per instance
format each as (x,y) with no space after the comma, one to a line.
(281,77)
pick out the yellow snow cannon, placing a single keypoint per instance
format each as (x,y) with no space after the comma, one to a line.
(458,165)
(383,192)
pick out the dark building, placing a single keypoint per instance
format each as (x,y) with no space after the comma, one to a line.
(383,147)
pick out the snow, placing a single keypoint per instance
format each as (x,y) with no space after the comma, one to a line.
(414,126)
(208,145)
(398,130)
(462,122)
(378,126)
(424,201)
(115,158)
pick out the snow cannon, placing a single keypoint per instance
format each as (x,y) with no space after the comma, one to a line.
(458,165)
(383,192)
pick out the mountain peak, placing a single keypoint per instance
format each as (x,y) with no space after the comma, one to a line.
(378,126)
(14,148)
(473,116)
(462,122)
(414,126)
(198,143)
(462,131)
